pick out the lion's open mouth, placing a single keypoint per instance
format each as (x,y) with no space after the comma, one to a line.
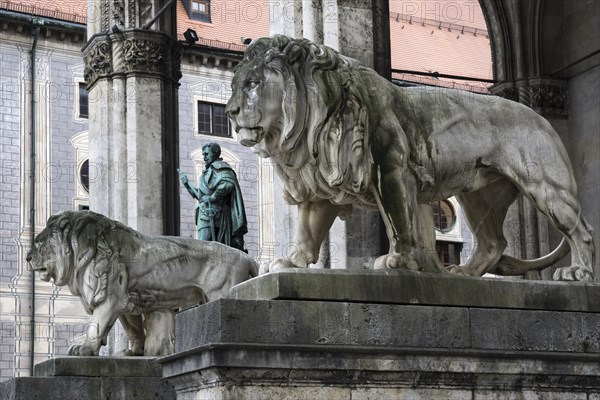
(249,136)
(45,271)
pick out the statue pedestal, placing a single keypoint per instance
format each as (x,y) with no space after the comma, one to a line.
(389,334)
(91,378)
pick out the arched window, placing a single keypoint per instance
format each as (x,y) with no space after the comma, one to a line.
(444,216)
(84,175)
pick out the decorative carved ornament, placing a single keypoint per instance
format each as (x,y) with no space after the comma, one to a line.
(132,52)
(549,98)
(98,61)
(144,55)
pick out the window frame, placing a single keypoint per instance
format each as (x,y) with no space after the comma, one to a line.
(199,15)
(211,132)
(80,114)
(451,249)
(451,224)
(80,142)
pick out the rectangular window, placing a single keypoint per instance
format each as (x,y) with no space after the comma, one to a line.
(83,101)
(200,10)
(448,252)
(212,120)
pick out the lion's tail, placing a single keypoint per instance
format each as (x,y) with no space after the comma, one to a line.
(508,265)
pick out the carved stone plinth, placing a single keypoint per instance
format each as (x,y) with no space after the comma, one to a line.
(91,378)
(359,335)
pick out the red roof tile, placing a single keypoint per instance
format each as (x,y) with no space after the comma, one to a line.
(417,43)
(420,43)
(230,19)
(65,10)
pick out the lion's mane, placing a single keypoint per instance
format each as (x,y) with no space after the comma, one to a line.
(90,240)
(323,151)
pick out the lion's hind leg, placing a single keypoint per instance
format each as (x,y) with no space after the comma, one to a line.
(485,210)
(160,333)
(134,328)
(561,206)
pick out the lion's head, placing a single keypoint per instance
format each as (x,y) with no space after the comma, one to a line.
(303,105)
(72,241)
(52,254)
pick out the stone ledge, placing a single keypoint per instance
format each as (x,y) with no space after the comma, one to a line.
(234,349)
(121,367)
(241,365)
(91,378)
(386,325)
(406,287)
(86,388)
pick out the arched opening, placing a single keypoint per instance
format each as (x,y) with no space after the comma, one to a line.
(442,44)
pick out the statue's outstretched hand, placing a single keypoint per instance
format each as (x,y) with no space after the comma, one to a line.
(183,176)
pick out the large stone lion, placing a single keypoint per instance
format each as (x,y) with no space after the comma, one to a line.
(341,135)
(141,280)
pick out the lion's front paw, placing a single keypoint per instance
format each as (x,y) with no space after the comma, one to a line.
(572,273)
(396,260)
(461,270)
(127,353)
(81,350)
(276,265)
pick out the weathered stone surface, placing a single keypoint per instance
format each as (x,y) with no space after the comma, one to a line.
(538,394)
(284,349)
(91,378)
(92,388)
(405,287)
(535,330)
(321,323)
(124,367)
(385,325)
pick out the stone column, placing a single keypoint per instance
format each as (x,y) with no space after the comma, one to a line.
(132,72)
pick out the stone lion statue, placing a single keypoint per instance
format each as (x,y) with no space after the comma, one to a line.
(341,136)
(119,273)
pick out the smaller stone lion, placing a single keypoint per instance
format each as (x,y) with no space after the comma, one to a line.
(119,273)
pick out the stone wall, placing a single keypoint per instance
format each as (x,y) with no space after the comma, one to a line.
(56,175)
(584,146)
(64,94)
(9,199)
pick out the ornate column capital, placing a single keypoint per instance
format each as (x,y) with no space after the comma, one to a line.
(547,97)
(132,52)
(505,89)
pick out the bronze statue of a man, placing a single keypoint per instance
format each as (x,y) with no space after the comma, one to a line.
(220,213)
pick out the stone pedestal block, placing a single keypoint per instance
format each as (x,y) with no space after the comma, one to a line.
(91,378)
(389,334)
